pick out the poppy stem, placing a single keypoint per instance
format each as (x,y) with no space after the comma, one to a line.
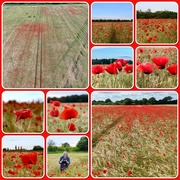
(115,80)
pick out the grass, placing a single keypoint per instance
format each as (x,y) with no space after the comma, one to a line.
(77,168)
(106,80)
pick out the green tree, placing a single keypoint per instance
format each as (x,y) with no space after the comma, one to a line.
(37,148)
(83,144)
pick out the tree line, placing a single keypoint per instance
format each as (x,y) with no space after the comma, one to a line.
(70,99)
(143,101)
(82,145)
(20,148)
(156,15)
(112,20)
(106,61)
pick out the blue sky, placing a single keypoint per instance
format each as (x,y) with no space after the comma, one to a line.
(60,94)
(22,96)
(112,52)
(112,11)
(157,6)
(72,140)
(114,96)
(27,142)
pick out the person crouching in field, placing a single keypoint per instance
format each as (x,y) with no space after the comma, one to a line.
(64,161)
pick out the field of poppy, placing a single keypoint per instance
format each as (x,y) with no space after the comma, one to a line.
(22,117)
(22,164)
(134,141)
(45,46)
(115,75)
(69,117)
(156,67)
(112,32)
(77,168)
(156,30)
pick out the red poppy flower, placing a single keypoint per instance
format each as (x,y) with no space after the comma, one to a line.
(79,174)
(71,126)
(12,172)
(128,68)
(104,171)
(36,173)
(98,69)
(146,68)
(68,113)
(138,62)
(129,173)
(56,103)
(160,61)
(22,114)
(141,50)
(123,62)
(172,69)
(118,64)
(29,158)
(18,166)
(39,118)
(54,112)
(111,69)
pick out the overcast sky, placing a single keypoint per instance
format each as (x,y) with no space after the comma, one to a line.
(27,142)
(114,96)
(157,6)
(60,94)
(23,96)
(112,11)
(72,140)
(112,52)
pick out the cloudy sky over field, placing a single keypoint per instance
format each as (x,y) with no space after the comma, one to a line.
(112,11)
(60,94)
(112,52)
(22,96)
(72,140)
(157,6)
(27,142)
(114,96)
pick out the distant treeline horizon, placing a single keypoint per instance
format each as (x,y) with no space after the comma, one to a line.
(70,99)
(17,148)
(143,101)
(106,61)
(156,15)
(112,20)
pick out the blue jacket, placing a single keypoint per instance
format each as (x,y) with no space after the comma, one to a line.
(64,162)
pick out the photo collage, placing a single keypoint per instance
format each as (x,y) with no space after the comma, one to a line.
(89,89)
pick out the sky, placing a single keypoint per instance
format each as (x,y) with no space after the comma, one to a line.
(112,52)
(114,96)
(27,142)
(72,140)
(112,11)
(157,6)
(60,94)
(22,96)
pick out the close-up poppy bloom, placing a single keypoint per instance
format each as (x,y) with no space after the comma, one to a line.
(146,68)
(111,68)
(22,114)
(71,126)
(98,69)
(56,103)
(29,158)
(118,65)
(172,69)
(54,112)
(128,68)
(123,62)
(160,61)
(68,113)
